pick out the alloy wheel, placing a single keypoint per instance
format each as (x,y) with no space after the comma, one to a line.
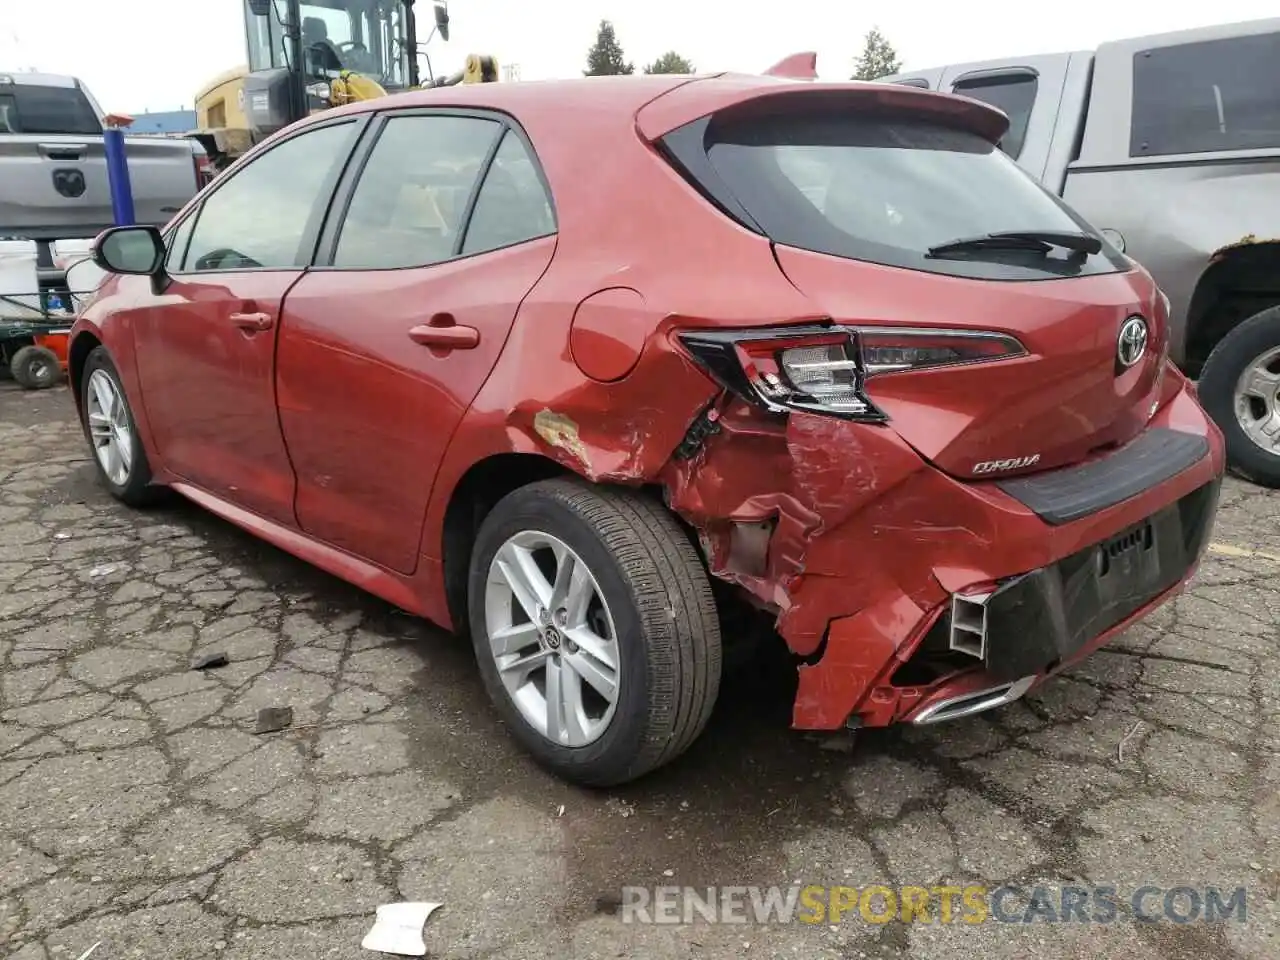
(1257,401)
(109,428)
(552,637)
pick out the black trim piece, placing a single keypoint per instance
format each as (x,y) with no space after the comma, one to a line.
(1061,496)
(1039,619)
(685,149)
(340,202)
(919,83)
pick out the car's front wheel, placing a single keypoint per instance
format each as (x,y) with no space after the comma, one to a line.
(112,433)
(595,629)
(1240,388)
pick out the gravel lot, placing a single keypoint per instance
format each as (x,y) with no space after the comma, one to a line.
(139,809)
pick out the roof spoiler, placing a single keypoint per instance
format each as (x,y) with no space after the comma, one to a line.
(798,66)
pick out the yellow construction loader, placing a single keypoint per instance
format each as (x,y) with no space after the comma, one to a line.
(311,55)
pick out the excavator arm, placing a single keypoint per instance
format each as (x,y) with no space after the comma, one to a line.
(479,68)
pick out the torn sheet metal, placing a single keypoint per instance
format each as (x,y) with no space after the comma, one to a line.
(398,929)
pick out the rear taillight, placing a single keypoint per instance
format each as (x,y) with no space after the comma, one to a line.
(823,368)
(204,168)
(894,349)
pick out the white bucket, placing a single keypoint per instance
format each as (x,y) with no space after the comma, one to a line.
(83,276)
(19,283)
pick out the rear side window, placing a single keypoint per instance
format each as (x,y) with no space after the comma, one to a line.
(1201,97)
(512,205)
(411,200)
(1013,94)
(29,108)
(885,189)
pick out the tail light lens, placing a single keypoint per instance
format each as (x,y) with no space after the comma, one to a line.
(891,350)
(823,368)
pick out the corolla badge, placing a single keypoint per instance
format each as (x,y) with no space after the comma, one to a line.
(1131,344)
(999,466)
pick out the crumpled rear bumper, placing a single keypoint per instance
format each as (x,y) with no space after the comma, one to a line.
(1070,559)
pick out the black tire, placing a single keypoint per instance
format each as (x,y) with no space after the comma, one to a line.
(1217,388)
(665,622)
(137,489)
(35,368)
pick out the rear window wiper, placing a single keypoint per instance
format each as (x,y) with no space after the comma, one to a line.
(1039,240)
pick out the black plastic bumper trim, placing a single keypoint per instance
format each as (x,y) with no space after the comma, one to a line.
(1061,496)
(1041,618)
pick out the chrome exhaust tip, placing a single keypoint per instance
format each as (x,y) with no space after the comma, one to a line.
(966,705)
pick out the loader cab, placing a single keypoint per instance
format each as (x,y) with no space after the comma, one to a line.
(295,47)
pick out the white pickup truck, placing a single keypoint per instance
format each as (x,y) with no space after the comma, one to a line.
(53,167)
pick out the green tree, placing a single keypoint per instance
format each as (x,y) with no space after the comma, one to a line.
(670,62)
(605,57)
(878,58)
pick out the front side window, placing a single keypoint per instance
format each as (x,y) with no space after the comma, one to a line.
(409,205)
(891,188)
(258,217)
(1013,94)
(1202,97)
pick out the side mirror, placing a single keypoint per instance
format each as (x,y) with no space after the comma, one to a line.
(136,251)
(442,21)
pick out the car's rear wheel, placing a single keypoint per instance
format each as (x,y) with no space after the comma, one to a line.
(594,628)
(112,433)
(35,367)
(1240,388)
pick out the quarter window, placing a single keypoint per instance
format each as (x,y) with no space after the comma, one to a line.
(1015,94)
(512,205)
(409,205)
(259,216)
(178,243)
(1201,97)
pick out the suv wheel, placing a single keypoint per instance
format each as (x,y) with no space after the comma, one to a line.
(594,629)
(1240,388)
(109,427)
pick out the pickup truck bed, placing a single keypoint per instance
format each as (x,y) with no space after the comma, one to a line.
(53,169)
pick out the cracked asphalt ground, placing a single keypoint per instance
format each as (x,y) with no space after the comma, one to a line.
(138,808)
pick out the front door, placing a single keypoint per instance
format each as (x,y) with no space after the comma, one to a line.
(382,351)
(205,347)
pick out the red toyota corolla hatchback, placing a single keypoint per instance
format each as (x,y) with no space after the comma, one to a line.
(545,362)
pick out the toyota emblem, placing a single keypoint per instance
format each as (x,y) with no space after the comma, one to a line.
(1131,345)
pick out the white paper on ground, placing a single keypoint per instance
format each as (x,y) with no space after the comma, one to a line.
(398,929)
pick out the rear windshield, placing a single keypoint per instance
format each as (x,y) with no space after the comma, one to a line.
(886,189)
(29,108)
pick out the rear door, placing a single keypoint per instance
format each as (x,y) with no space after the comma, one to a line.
(385,343)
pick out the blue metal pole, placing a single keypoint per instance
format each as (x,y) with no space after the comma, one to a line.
(118,176)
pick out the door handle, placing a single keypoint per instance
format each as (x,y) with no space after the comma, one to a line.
(252,321)
(445,336)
